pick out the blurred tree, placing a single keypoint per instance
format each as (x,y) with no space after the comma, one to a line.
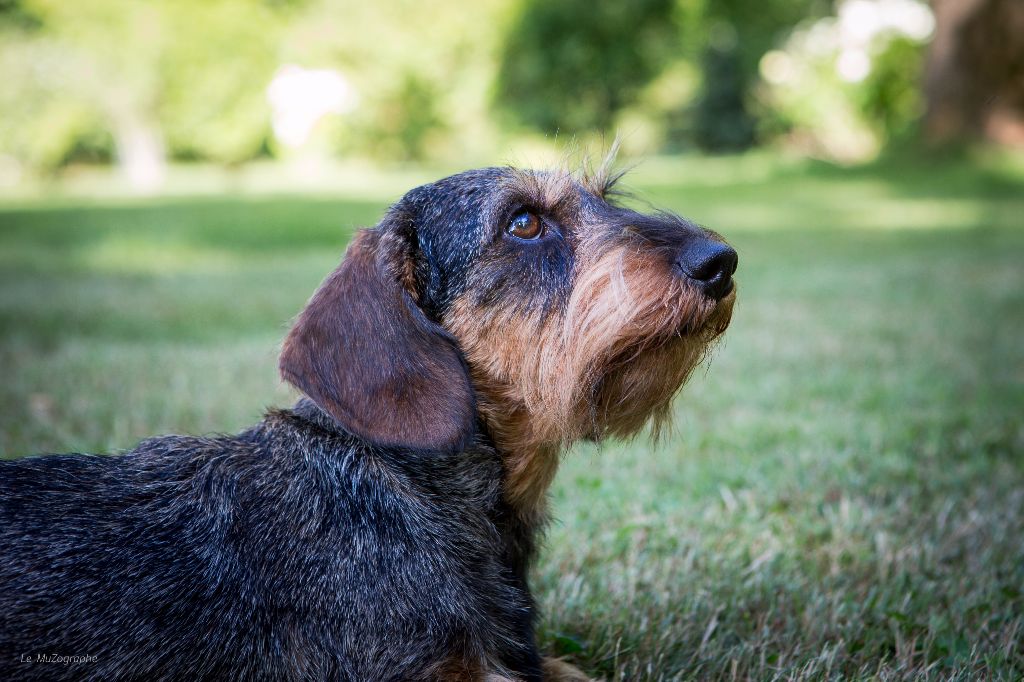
(14,13)
(187,76)
(213,76)
(187,79)
(422,72)
(739,33)
(974,81)
(723,122)
(890,96)
(843,86)
(570,66)
(406,118)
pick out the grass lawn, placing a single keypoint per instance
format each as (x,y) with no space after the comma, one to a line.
(843,494)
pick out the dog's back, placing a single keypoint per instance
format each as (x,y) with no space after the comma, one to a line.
(290,551)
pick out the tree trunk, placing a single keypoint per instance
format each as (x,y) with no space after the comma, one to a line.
(137,137)
(974,78)
(140,153)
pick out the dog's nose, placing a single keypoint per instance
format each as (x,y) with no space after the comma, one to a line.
(710,264)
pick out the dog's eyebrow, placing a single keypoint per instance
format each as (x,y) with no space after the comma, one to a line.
(554,191)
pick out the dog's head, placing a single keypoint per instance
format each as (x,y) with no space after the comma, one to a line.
(527,300)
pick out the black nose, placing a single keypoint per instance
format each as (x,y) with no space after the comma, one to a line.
(710,264)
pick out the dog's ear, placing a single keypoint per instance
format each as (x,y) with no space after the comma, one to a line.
(364,351)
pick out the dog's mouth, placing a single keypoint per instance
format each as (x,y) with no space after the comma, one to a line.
(637,385)
(705,318)
(684,334)
(721,315)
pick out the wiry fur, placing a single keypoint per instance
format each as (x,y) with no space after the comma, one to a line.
(383,528)
(601,179)
(606,362)
(292,551)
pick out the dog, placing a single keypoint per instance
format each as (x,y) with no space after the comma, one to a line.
(383,528)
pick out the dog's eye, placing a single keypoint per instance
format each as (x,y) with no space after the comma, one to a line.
(525,225)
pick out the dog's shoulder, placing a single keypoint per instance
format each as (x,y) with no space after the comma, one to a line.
(217,536)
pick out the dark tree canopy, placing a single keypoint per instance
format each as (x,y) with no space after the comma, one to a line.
(570,66)
(739,33)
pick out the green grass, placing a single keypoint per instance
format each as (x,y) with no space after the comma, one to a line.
(843,495)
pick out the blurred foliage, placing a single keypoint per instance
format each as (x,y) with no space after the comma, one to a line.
(740,33)
(406,119)
(723,121)
(15,13)
(890,97)
(89,75)
(99,81)
(217,113)
(422,72)
(843,117)
(570,66)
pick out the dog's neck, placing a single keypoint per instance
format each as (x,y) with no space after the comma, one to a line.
(530,465)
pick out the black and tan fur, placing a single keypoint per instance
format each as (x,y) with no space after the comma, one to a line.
(383,528)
